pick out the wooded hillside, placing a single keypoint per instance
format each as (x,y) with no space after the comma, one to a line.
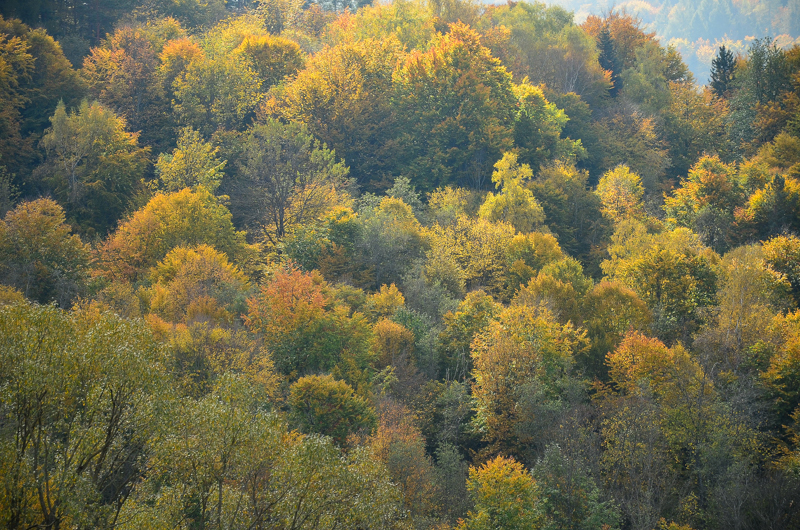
(419,264)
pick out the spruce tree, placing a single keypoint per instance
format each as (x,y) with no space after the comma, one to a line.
(722,71)
(608,59)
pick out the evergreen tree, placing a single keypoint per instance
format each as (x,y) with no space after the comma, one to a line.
(722,71)
(609,60)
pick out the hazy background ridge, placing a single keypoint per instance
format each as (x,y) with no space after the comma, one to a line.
(697,29)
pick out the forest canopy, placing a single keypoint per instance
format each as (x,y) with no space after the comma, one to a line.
(418,264)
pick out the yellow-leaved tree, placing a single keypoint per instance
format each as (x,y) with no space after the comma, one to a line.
(514,204)
(186,217)
(196,283)
(343,97)
(621,193)
(522,358)
(505,496)
(272,58)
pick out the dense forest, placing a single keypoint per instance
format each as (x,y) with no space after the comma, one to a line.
(421,264)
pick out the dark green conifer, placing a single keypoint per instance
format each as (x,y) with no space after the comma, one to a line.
(722,71)
(609,60)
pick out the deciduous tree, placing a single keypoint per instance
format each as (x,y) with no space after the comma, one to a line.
(286,178)
(303,333)
(272,58)
(782,254)
(194,162)
(186,217)
(36,75)
(524,347)
(457,106)
(505,496)
(238,465)
(391,239)
(217,92)
(196,284)
(514,204)
(93,165)
(323,405)
(123,74)
(40,256)
(460,328)
(621,192)
(343,96)
(80,395)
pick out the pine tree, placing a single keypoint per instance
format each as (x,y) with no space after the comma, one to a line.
(722,71)
(609,60)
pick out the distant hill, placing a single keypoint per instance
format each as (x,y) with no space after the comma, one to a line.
(698,28)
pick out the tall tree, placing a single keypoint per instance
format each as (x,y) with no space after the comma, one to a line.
(38,254)
(122,73)
(217,93)
(672,272)
(572,210)
(238,467)
(765,74)
(626,33)
(287,178)
(304,333)
(706,202)
(762,81)
(522,360)
(93,166)
(723,68)
(514,203)
(79,23)
(16,65)
(391,239)
(35,76)
(544,44)
(272,58)
(343,96)
(537,129)
(620,191)
(456,106)
(608,59)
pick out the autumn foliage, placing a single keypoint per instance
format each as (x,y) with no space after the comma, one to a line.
(412,264)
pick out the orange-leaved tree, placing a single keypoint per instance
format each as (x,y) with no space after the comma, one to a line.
(304,331)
